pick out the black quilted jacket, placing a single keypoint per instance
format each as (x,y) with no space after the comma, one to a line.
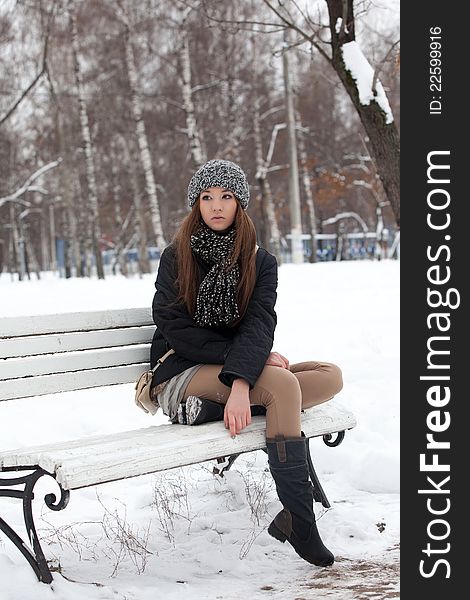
(243,350)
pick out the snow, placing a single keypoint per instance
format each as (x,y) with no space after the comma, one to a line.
(207,537)
(338,24)
(362,72)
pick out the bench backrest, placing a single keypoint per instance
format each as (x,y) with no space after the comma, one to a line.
(47,354)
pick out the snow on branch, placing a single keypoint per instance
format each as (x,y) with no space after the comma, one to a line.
(363,74)
(26,187)
(347,215)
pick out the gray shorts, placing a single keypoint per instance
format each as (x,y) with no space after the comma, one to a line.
(170,397)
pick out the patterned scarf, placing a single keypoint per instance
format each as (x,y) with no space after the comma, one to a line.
(216,300)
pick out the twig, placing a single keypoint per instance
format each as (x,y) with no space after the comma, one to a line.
(43,70)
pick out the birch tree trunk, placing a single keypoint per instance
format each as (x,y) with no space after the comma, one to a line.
(119,257)
(33,261)
(15,242)
(384,143)
(67,243)
(145,157)
(297,254)
(93,230)
(267,203)
(234,129)
(198,155)
(11,255)
(307,188)
(72,254)
(265,188)
(116,192)
(23,259)
(233,150)
(142,260)
(73,250)
(141,231)
(81,223)
(140,227)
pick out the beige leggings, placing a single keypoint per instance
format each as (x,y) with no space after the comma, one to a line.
(283,392)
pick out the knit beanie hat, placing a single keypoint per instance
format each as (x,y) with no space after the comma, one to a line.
(219,173)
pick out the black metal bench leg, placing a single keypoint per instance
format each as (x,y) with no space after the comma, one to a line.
(228,463)
(318,492)
(35,557)
(336,442)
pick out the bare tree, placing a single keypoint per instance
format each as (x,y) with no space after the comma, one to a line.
(265,189)
(235,130)
(383,142)
(294,191)
(197,153)
(67,185)
(262,165)
(93,237)
(8,113)
(141,133)
(301,133)
(120,146)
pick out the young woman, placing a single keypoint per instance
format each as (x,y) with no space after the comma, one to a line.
(214,306)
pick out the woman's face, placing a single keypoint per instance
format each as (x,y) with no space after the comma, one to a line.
(218,207)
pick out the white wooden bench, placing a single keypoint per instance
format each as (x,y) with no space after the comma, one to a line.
(58,353)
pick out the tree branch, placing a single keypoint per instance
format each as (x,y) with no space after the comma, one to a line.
(27,184)
(270,111)
(228,21)
(205,86)
(43,70)
(305,36)
(380,66)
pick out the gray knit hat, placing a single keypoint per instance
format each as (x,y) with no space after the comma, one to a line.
(219,173)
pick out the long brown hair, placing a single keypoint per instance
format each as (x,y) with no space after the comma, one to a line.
(244,252)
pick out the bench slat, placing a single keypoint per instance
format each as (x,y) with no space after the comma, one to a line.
(15,368)
(99,459)
(69,342)
(68,322)
(67,382)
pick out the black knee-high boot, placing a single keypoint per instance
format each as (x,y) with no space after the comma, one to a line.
(296,522)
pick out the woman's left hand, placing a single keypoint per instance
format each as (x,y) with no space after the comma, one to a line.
(237,414)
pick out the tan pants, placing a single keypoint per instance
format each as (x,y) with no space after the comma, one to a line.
(283,392)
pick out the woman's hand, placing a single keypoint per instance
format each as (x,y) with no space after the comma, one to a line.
(277,360)
(237,414)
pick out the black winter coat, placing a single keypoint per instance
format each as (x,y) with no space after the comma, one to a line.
(243,350)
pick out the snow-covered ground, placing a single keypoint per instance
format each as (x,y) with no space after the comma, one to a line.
(184,534)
